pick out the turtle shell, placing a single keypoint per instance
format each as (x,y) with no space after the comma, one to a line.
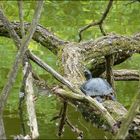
(96,87)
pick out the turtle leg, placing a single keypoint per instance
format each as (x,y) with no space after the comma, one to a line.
(99,99)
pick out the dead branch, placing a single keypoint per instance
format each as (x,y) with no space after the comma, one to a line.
(126,75)
(110,45)
(22,89)
(100,22)
(20,8)
(44,37)
(30,101)
(28,85)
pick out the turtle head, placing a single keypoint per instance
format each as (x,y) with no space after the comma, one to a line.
(112,97)
(87,74)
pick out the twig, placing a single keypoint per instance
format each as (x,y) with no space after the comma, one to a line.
(58,116)
(20,7)
(100,22)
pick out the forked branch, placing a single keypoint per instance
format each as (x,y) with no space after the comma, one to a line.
(99,23)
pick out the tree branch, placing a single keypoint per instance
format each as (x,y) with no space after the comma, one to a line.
(100,22)
(22,88)
(41,35)
(126,75)
(20,8)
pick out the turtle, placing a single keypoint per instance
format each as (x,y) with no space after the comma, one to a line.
(97,88)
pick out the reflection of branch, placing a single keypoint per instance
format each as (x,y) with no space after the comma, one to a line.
(75,129)
(63,118)
(100,22)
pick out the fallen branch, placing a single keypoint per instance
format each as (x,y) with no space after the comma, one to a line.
(30,102)
(41,35)
(125,75)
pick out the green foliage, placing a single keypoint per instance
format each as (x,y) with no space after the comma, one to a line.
(66,17)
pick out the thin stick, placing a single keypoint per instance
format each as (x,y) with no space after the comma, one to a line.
(22,89)
(20,7)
